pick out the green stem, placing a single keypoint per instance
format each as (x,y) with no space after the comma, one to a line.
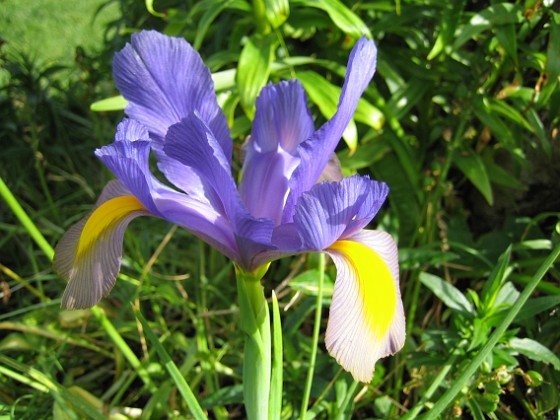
(25,220)
(314,345)
(458,384)
(255,323)
(259,9)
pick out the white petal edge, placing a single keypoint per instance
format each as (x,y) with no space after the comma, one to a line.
(349,337)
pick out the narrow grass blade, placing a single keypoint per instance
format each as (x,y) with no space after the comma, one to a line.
(316,329)
(275,401)
(27,223)
(173,370)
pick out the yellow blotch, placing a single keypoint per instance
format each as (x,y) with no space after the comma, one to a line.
(105,217)
(376,286)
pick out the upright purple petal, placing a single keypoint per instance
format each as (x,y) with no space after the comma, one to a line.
(335,210)
(316,152)
(192,143)
(164,80)
(282,122)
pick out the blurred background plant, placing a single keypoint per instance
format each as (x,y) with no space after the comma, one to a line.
(461,120)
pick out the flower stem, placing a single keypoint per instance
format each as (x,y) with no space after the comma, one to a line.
(315,343)
(255,323)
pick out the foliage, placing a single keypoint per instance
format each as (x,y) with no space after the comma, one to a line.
(461,122)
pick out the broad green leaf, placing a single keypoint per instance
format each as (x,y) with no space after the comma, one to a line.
(345,19)
(277,11)
(537,305)
(254,68)
(407,96)
(507,37)
(306,283)
(498,128)
(495,281)
(214,8)
(508,111)
(535,351)
(473,168)
(447,293)
(325,95)
(552,56)
(452,13)
(498,14)
(115,103)
(537,127)
(500,176)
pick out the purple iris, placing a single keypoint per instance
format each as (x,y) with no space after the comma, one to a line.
(279,209)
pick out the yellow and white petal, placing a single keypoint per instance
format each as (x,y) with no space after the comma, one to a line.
(89,254)
(366,318)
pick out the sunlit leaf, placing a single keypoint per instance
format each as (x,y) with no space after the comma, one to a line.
(254,68)
(535,351)
(473,168)
(447,293)
(115,103)
(345,19)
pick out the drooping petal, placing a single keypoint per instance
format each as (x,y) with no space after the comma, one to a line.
(282,122)
(366,318)
(316,152)
(335,210)
(89,254)
(193,144)
(164,80)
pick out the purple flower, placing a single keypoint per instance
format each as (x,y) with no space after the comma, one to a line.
(279,209)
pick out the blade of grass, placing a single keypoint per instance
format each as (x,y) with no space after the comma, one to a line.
(173,370)
(27,223)
(275,402)
(316,329)
(448,397)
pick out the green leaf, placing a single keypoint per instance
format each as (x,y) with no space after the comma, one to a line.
(495,281)
(535,351)
(115,103)
(325,95)
(473,168)
(254,68)
(507,37)
(450,18)
(277,12)
(345,19)
(498,14)
(447,293)
(275,402)
(151,10)
(306,283)
(407,96)
(213,9)
(537,305)
(552,56)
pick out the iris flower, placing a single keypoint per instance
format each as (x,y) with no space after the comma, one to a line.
(279,208)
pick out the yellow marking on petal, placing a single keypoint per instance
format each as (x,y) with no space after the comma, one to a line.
(105,217)
(376,285)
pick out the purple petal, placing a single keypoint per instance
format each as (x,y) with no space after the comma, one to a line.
(282,122)
(129,161)
(316,152)
(336,210)
(193,144)
(164,80)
